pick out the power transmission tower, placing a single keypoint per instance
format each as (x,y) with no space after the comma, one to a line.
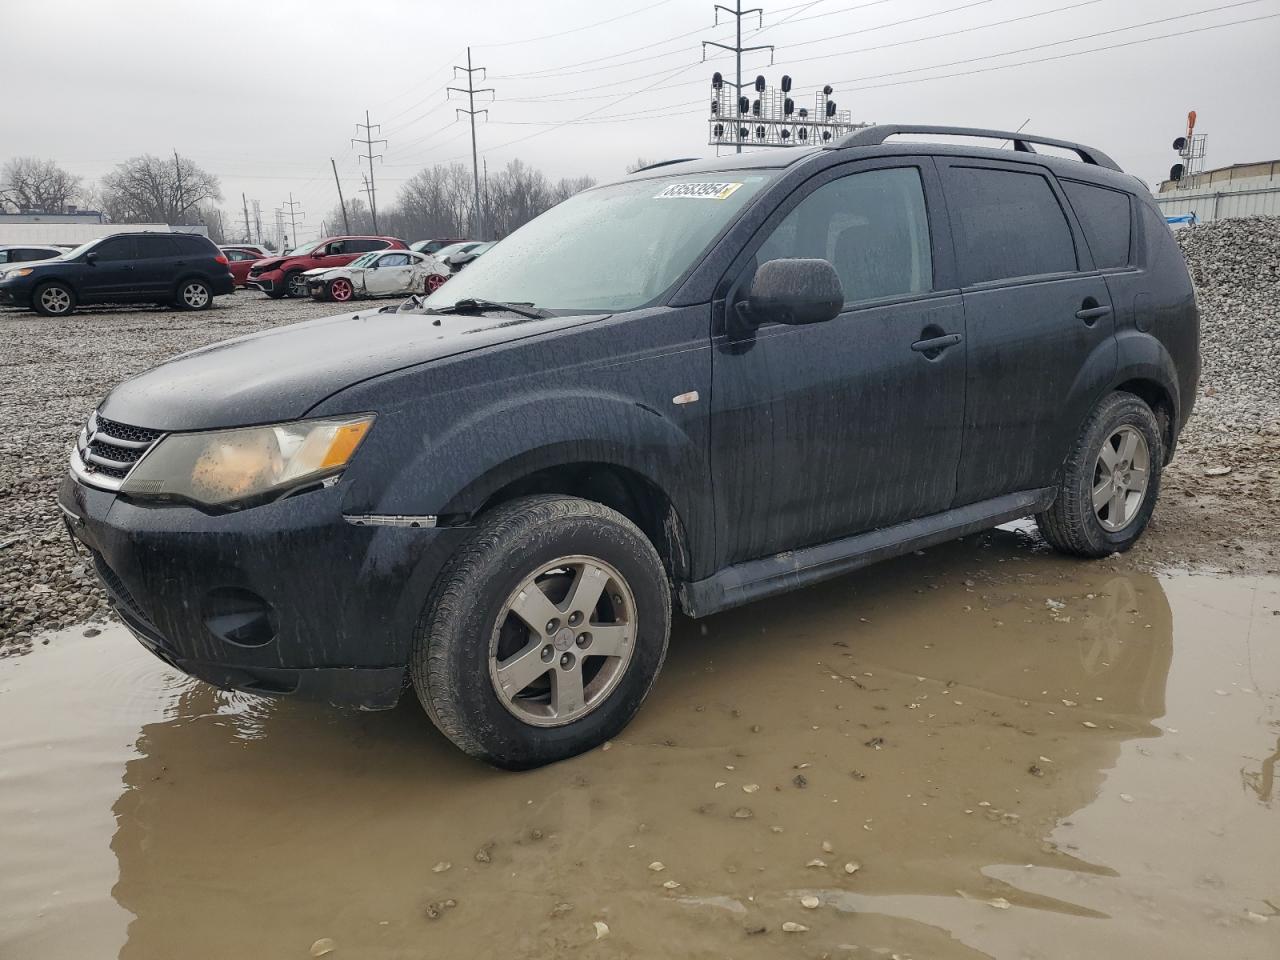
(471,90)
(248,237)
(293,215)
(738,49)
(368,142)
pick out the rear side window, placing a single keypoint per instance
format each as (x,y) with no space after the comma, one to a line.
(153,248)
(394,260)
(195,245)
(1104,217)
(1007,224)
(872,227)
(364,246)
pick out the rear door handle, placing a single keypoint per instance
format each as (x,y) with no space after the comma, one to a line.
(1090,314)
(935,345)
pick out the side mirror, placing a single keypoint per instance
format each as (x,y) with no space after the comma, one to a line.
(793,292)
(91,257)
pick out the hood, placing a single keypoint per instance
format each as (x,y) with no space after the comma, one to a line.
(321,271)
(282,373)
(270,263)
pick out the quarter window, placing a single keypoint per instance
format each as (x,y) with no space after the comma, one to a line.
(1007,224)
(1104,217)
(872,227)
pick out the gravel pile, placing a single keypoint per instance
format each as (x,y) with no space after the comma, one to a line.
(54,373)
(1236,268)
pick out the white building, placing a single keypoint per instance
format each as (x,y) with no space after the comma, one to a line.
(1240,190)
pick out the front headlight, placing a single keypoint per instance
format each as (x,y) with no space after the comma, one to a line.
(224,467)
(19,272)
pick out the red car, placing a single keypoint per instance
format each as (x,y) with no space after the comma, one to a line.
(239,261)
(278,276)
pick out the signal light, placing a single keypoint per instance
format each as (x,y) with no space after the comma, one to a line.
(786,84)
(1180,144)
(804,112)
(1176,172)
(719,129)
(803,133)
(760,83)
(826,91)
(831,108)
(760,132)
(755,108)
(786,134)
(743,133)
(788,107)
(744,105)
(717,80)
(826,135)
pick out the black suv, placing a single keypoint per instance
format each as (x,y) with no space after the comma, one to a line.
(183,269)
(760,371)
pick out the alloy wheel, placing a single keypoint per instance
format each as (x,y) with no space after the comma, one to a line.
(434,282)
(195,295)
(1120,477)
(55,300)
(340,290)
(297,285)
(563,641)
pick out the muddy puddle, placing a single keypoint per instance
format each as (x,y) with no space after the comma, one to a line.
(984,751)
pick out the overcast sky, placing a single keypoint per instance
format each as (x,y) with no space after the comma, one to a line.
(263,94)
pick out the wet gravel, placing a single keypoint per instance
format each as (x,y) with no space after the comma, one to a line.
(54,374)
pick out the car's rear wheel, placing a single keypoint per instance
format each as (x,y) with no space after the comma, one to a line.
(544,634)
(194,295)
(295,284)
(1110,481)
(434,282)
(53,299)
(341,290)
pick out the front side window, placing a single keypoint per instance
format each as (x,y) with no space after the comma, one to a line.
(872,227)
(117,248)
(616,247)
(1007,224)
(1104,218)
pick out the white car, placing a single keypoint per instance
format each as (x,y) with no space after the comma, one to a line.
(383,273)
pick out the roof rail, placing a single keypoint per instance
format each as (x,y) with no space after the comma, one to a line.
(664,163)
(876,135)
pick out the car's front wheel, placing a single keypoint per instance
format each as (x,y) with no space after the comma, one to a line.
(53,299)
(1110,480)
(544,633)
(341,290)
(295,284)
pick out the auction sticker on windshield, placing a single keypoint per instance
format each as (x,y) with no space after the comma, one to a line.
(698,191)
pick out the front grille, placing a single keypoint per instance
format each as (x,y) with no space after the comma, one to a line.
(108,449)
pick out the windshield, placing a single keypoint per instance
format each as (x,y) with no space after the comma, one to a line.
(614,248)
(83,248)
(303,250)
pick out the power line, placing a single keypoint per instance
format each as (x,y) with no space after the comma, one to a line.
(368,141)
(586,26)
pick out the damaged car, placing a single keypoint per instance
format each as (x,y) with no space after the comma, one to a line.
(378,274)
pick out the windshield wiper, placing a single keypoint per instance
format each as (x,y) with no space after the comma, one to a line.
(472,305)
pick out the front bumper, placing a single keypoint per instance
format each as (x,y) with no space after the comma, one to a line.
(287,598)
(15,293)
(266,282)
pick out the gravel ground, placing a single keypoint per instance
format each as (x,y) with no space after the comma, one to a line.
(55,371)
(54,374)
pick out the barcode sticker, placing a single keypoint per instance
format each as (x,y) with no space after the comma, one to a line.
(697,191)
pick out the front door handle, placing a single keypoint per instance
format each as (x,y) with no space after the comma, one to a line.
(935,345)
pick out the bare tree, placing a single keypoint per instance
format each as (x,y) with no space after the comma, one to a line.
(149,189)
(41,186)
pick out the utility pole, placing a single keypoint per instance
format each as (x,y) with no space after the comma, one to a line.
(346,224)
(248,237)
(738,50)
(293,215)
(257,220)
(471,90)
(368,142)
(177,172)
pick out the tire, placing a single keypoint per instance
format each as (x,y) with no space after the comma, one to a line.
(275,293)
(295,284)
(193,294)
(468,628)
(340,290)
(1073,524)
(54,299)
(433,282)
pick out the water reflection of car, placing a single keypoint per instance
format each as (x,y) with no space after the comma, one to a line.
(459,260)
(379,274)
